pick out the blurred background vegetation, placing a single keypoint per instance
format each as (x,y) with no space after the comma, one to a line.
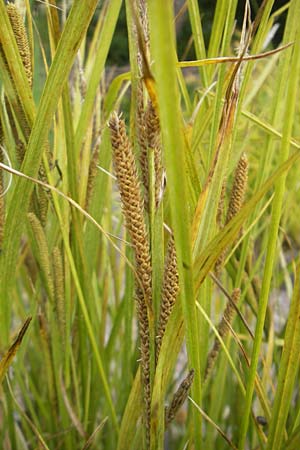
(118,54)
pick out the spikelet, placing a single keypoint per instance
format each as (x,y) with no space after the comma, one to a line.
(179,398)
(20,149)
(18,112)
(20,35)
(142,142)
(42,196)
(21,39)
(133,211)
(59,291)
(239,188)
(236,200)
(42,252)
(220,210)
(148,126)
(43,203)
(223,329)
(148,131)
(24,50)
(219,264)
(170,288)
(154,144)
(132,201)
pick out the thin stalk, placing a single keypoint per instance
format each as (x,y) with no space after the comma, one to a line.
(162,35)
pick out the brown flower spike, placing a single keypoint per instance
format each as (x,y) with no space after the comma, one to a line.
(170,290)
(133,211)
(236,200)
(21,39)
(239,188)
(179,397)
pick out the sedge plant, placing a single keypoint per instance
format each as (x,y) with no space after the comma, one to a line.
(149,241)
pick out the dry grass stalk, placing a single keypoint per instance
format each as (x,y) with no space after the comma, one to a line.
(43,253)
(222,329)
(170,290)
(179,398)
(19,30)
(59,290)
(133,210)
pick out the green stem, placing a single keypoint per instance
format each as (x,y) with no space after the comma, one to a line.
(162,37)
